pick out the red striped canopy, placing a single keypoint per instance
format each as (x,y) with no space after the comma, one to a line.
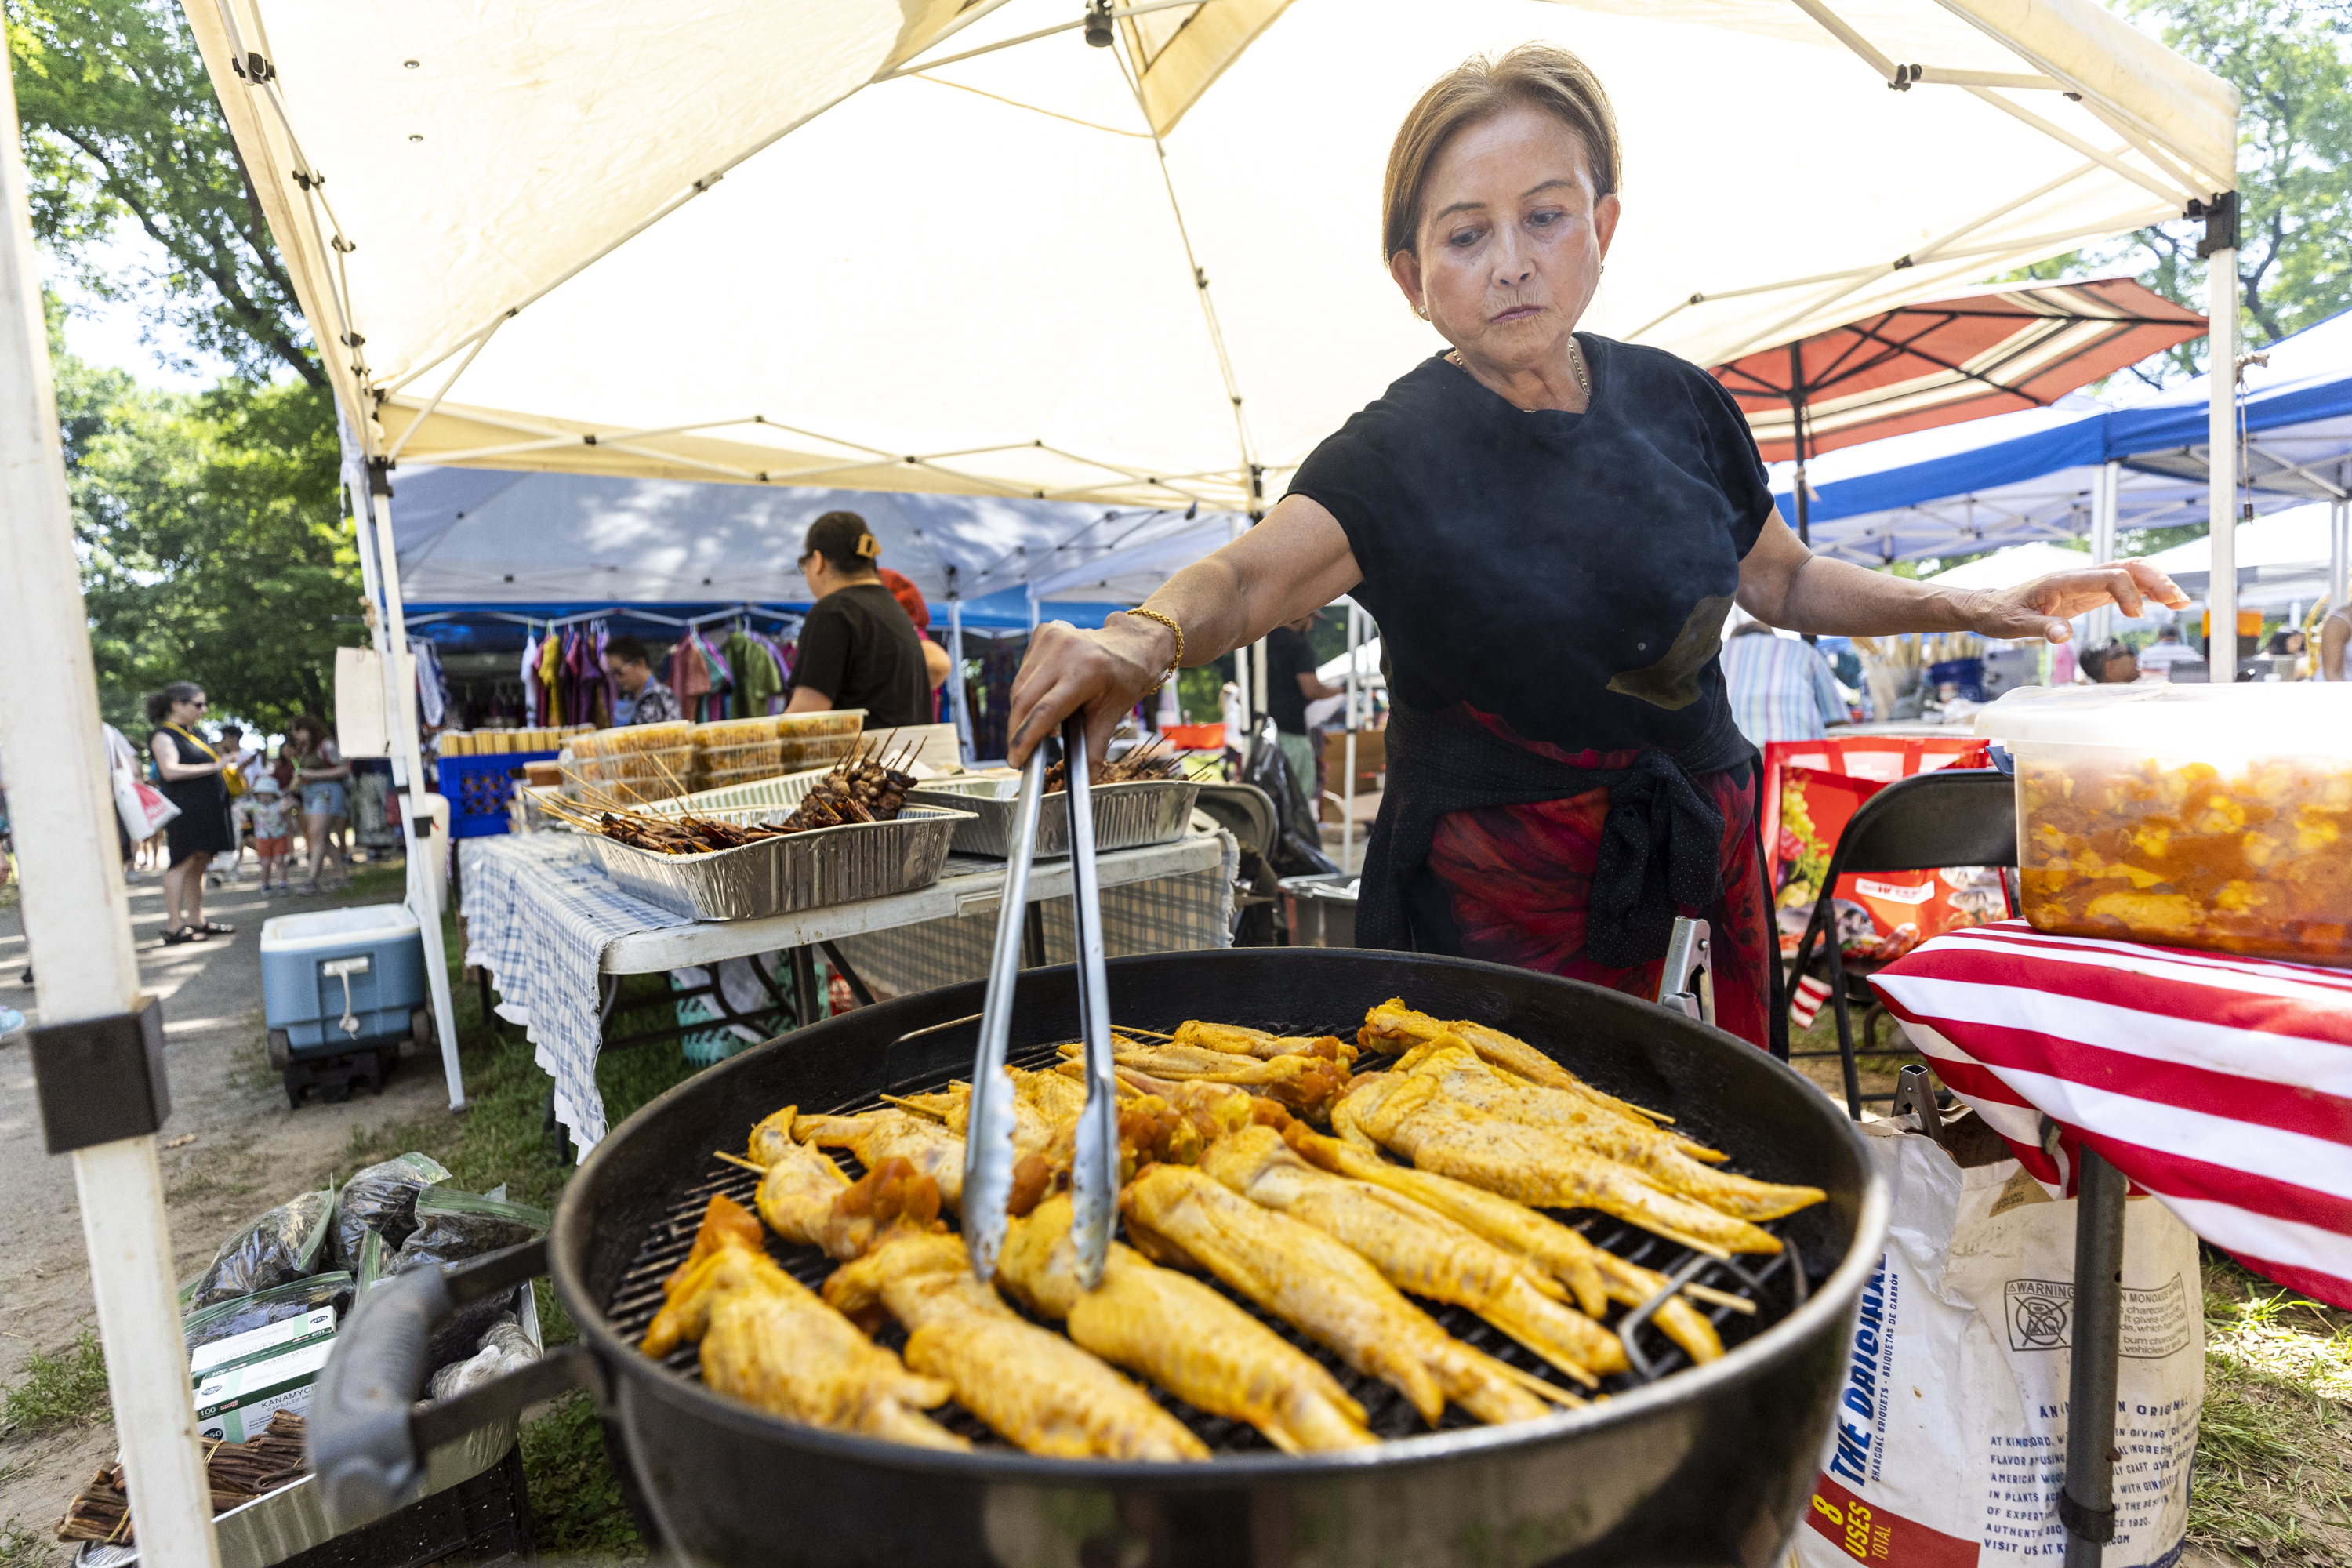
(1939,361)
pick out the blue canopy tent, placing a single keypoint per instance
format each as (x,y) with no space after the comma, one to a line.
(487,554)
(2086,470)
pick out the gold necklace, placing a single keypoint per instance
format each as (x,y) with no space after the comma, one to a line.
(1575,363)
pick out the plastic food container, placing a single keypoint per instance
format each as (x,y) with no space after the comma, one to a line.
(795,752)
(740,755)
(2213,816)
(633,737)
(832,721)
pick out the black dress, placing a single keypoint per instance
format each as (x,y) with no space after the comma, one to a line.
(202,826)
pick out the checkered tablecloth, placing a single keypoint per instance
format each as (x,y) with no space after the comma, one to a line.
(2222,1086)
(539,912)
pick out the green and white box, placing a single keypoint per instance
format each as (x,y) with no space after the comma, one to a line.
(267,1340)
(233,1403)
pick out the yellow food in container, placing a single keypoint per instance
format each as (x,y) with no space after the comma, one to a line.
(832,721)
(2194,816)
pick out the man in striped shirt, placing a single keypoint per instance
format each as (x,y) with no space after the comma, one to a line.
(1782,689)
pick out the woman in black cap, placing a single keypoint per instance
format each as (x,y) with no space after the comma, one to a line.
(858,649)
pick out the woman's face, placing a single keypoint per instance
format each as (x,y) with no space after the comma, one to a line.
(1511,240)
(191,711)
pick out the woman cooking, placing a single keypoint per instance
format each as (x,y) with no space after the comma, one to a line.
(1554,801)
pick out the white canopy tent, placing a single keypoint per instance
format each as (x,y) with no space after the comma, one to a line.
(770,243)
(2287,558)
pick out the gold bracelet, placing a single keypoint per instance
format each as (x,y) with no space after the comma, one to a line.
(1176,660)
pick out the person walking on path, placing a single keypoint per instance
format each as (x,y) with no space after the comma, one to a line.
(270,816)
(189,768)
(326,805)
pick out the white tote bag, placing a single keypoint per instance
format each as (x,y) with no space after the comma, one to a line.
(142,807)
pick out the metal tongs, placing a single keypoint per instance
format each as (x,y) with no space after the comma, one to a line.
(988,1154)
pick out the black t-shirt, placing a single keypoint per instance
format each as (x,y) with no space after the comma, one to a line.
(1567,573)
(1287,657)
(858,647)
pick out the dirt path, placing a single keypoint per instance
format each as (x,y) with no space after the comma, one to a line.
(231,1149)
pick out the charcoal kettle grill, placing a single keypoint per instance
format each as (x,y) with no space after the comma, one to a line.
(1678,1465)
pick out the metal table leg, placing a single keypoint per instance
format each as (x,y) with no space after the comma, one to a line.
(2086,1505)
(807,1007)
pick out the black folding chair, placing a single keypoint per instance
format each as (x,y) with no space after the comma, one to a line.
(1954,816)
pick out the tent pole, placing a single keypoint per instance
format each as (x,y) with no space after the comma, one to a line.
(74,898)
(2220,248)
(955,673)
(1796,417)
(2339,556)
(424,889)
(1348,790)
(2106,499)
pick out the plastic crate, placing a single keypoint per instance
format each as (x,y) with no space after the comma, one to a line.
(478,788)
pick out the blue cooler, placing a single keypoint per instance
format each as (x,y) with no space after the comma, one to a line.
(343,990)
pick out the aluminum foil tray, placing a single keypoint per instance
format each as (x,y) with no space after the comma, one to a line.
(1127,815)
(784,876)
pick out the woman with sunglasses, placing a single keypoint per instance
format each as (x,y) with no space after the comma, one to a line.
(190,772)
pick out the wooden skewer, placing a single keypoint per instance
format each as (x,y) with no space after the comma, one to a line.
(739,1159)
(1709,1294)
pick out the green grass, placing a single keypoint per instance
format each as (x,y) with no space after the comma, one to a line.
(68,1389)
(575,1499)
(18,1545)
(2273,1477)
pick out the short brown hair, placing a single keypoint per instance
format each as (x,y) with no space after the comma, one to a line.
(1539,76)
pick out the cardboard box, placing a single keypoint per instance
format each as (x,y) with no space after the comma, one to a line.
(236,1402)
(268,1339)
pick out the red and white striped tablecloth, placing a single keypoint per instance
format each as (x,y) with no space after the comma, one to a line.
(2221,1085)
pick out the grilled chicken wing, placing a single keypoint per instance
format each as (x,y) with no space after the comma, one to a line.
(1305,1083)
(1392,1027)
(1306,1279)
(1237,1040)
(1416,1249)
(1412,1116)
(1656,1154)
(1033,1120)
(878,1135)
(1596,1274)
(1029,1384)
(1179,1334)
(768,1340)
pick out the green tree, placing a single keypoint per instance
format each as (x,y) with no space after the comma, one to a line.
(212,539)
(120,125)
(2291,67)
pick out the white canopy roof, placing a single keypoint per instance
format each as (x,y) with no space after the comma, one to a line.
(2281,559)
(2019,563)
(973,277)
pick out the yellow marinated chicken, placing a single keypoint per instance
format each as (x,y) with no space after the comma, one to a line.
(1325,1289)
(768,1340)
(1417,1250)
(1032,1119)
(1030,1385)
(877,1135)
(1539,1168)
(1179,1334)
(1392,1028)
(1237,1040)
(1303,1083)
(1595,1275)
(1462,1077)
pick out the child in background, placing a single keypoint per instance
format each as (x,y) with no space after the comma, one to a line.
(268,814)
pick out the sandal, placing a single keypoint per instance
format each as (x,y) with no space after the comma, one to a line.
(179,934)
(210,929)
(307,888)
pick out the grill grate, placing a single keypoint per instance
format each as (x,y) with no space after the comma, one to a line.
(1776,1286)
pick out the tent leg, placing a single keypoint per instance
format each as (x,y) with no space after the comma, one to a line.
(2222,441)
(2339,556)
(424,888)
(2106,498)
(74,900)
(955,679)
(1348,790)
